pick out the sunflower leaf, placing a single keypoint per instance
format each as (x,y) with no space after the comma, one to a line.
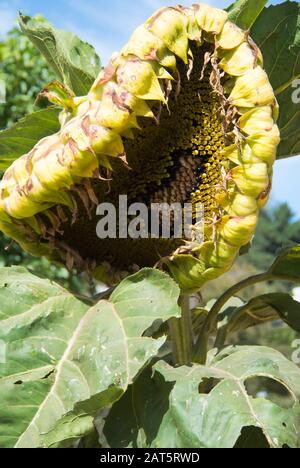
(65,361)
(171,409)
(75,62)
(277,33)
(287,265)
(21,137)
(263,309)
(37,320)
(244,13)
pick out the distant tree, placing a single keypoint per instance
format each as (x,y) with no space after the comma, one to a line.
(24,73)
(276,229)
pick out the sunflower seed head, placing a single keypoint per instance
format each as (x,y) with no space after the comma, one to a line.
(184,113)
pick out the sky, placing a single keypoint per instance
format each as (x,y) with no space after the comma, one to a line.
(107,25)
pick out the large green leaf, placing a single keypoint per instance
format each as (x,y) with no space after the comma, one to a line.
(171,411)
(245,12)
(75,62)
(21,138)
(277,33)
(135,420)
(37,320)
(65,362)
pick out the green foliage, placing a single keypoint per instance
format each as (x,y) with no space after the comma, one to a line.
(65,361)
(2,92)
(24,72)
(276,229)
(38,318)
(22,136)
(179,415)
(261,309)
(71,360)
(74,62)
(265,308)
(244,12)
(286,266)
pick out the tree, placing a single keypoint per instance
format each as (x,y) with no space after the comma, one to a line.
(276,229)
(24,72)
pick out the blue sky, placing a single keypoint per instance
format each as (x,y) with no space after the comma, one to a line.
(107,25)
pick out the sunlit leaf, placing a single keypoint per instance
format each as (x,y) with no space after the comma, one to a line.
(37,321)
(75,62)
(64,362)
(245,12)
(21,137)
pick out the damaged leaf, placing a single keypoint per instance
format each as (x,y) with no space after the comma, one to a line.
(173,411)
(63,362)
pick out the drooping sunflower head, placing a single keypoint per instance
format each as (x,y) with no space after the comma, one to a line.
(184,114)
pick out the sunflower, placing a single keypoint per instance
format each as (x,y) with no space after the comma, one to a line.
(184,113)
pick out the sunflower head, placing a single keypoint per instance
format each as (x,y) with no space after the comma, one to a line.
(183,114)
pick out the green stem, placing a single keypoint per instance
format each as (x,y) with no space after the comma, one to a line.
(201,347)
(221,338)
(222,301)
(182,334)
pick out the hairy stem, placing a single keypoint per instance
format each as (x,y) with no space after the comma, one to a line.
(182,334)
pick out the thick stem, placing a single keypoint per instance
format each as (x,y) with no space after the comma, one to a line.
(182,334)
(201,347)
(187,328)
